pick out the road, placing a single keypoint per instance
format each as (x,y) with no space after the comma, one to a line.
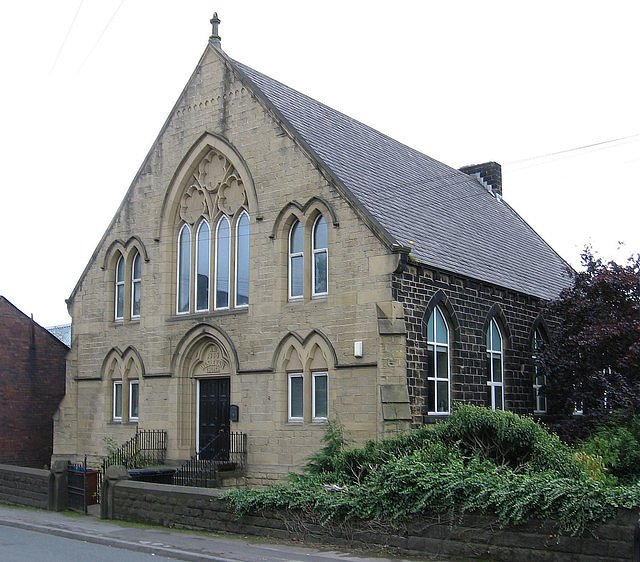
(20,545)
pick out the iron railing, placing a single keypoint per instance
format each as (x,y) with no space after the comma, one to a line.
(219,454)
(147,447)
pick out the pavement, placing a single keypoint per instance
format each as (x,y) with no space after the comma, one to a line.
(180,545)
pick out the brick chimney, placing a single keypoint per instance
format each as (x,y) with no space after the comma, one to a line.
(488,174)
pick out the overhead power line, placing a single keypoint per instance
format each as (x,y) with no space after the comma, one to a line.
(104,30)
(64,41)
(570,150)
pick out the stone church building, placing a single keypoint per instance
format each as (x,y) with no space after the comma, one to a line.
(276,264)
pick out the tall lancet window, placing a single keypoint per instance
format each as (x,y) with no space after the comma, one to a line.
(242,260)
(223,260)
(184,269)
(438,364)
(203,251)
(119,289)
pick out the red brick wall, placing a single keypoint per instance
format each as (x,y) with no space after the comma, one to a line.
(32,383)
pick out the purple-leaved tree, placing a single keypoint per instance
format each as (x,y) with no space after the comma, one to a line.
(593,361)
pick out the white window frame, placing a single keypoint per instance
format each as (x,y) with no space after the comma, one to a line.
(539,380)
(315,376)
(135,282)
(228,258)
(183,228)
(237,245)
(435,378)
(291,376)
(117,384)
(195,266)
(316,251)
(492,383)
(132,383)
(119,287)
(292,255)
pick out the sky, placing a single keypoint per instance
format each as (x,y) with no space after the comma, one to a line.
(549,89)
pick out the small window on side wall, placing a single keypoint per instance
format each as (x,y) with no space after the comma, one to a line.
(134,397)
(320,398)
(117,400)
(296,394)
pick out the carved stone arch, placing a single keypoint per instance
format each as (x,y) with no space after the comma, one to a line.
(127,249)
(211,177)
(316,360)
(306,214)
(292,358)
(112,365)
(132,359)
(290,342)
(285,220)
(316,338)
(204,347)
(440,299)
(112,255)
(497,313)
(236,217)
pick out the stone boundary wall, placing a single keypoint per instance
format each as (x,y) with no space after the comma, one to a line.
(475,537)
(24,486)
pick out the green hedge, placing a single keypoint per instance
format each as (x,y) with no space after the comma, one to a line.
(476,461)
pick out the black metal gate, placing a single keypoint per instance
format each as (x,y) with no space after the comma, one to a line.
(83,486)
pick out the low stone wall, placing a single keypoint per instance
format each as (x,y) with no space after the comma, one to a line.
(24,486)
(475,537)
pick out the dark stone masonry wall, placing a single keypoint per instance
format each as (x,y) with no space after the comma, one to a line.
(24,486)
(475,537)
(469,306)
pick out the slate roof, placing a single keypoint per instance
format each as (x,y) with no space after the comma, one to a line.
(447,218)
(62,332)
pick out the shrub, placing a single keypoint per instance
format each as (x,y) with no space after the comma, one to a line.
(509,440)
(478,460)
(617,442)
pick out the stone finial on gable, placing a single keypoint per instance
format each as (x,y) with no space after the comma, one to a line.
(215,38)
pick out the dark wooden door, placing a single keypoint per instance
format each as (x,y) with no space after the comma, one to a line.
(213,422)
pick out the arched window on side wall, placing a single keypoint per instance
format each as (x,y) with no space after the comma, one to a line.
(296,261)
(539,380)
(320,264)
(184,269)
(136,285)
(438,364)
(119,289)
(495,366)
